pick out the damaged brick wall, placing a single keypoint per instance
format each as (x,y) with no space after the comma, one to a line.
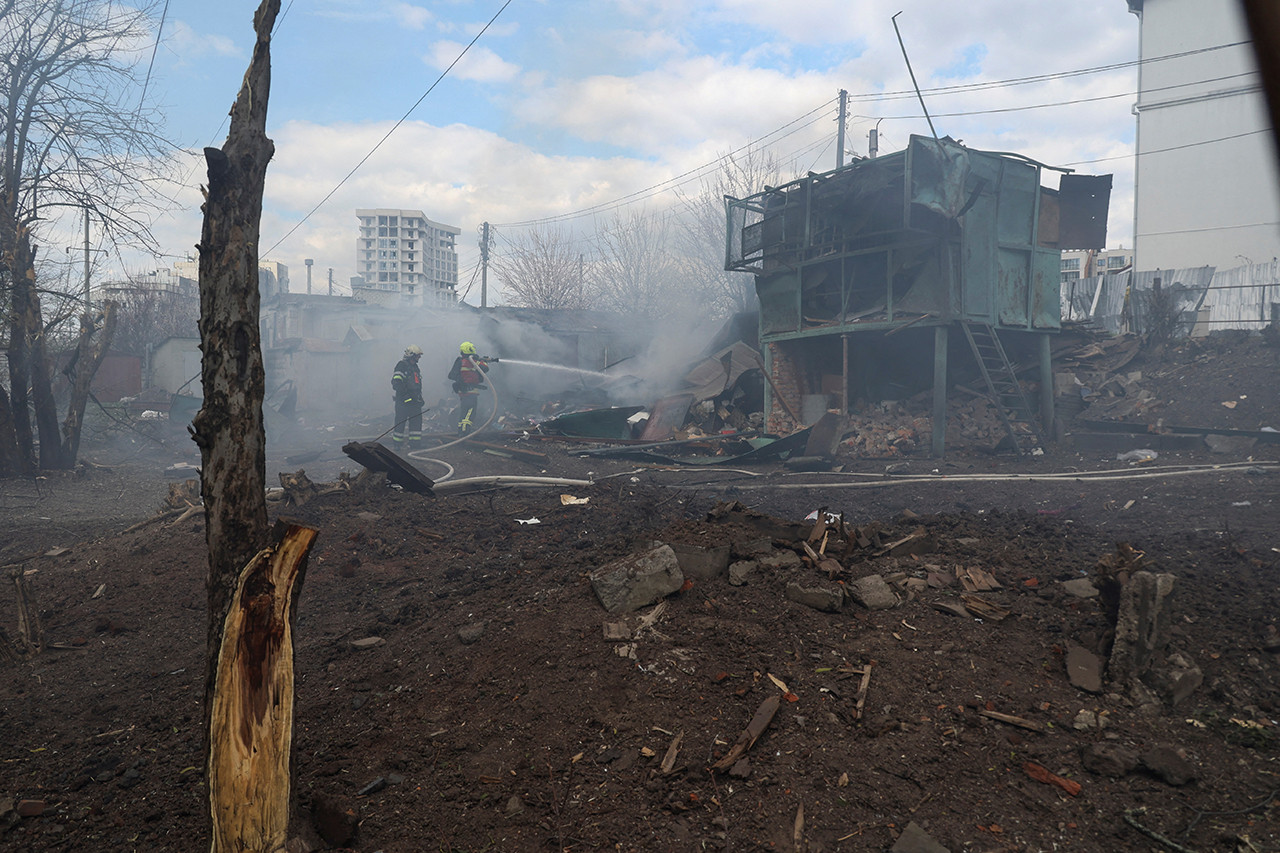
(786,370)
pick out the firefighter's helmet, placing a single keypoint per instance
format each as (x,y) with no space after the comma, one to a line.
(467,348)
(412,350)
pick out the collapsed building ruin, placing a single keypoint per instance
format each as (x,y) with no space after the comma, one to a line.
(875,279)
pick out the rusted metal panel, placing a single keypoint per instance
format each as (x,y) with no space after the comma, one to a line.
(1084,201)
(667,416)
(939,175)
(1012,286)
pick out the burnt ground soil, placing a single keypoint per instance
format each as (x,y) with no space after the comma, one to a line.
(496,715)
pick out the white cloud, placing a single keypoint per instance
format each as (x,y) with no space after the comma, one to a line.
(189,45)
(480,63)
(411,16)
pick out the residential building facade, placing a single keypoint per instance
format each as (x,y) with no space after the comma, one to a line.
(404,258)
(1086,263)
(1205,188)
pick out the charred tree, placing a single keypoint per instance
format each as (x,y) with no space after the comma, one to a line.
(229,426)
(83,367)
(15,255)
(251,588)
(9,459)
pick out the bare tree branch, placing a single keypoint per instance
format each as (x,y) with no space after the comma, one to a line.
(542,269)
(74,132)
(702,237)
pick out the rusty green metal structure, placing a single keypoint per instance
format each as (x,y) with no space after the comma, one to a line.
(937,234)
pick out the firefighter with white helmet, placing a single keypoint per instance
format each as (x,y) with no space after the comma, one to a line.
(406,383)
(467,381)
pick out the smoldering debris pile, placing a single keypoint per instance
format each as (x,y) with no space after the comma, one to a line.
(903,428)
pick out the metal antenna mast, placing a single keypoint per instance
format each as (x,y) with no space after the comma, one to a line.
(915,85)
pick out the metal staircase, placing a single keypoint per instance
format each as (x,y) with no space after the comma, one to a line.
(1002,384)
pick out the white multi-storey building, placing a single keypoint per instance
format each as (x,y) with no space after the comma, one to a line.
(1086,263)
(402,257)
(1205,191)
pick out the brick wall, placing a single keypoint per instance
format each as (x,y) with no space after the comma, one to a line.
(788,381)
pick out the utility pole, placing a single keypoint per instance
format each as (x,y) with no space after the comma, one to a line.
(331,281)
(844,110)
(873,140)
(484,265)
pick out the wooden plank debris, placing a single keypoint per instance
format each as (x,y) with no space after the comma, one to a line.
(763,716)
(1020,722)
(861,699)
(917,542)
(952,607)
(1042,774)
(983,608)
(974,579)
(375,457)
(669,759)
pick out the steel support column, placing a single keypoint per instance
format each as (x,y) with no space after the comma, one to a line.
(940,390)
(1046,387)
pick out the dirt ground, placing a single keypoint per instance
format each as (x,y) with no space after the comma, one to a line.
(491,711)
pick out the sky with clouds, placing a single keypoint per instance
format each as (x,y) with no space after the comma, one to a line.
(566,105)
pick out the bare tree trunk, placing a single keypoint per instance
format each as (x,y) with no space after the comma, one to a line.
(10,460)
(27,308)
(19,345)
(42,388)
(229,426)
(88,359)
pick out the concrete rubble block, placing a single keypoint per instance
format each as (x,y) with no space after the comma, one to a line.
(779,560)
(702,564)
(1085,720)
(1142,626)
(915,840)
(820,595)
(1176,679)
(741,572)
(1170,764)
(471,633)
(753,548)
(873,593)
(1107,759)
(638,580)
(1084,669)
(1080,588)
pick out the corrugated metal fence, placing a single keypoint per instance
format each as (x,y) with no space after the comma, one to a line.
(1246,297)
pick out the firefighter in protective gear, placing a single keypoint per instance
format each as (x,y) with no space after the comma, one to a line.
(467,382)
(406,383)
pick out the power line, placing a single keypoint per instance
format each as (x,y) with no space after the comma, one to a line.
(1171,148)
(393,129)
(1210,228)
(683,177)
(1038,78)
(155,47)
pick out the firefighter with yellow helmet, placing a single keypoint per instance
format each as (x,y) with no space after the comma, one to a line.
(467,382)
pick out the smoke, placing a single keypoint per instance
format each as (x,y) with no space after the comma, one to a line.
(343,377)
